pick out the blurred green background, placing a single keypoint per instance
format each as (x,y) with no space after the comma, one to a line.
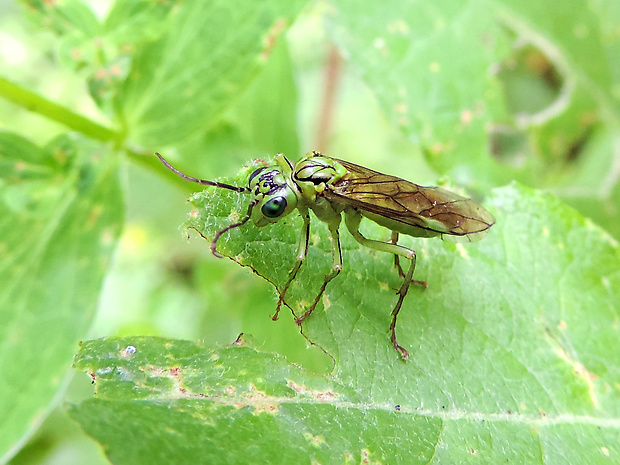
(538,104)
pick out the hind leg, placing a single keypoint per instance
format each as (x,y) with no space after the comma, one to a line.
(401,273)
(352,221)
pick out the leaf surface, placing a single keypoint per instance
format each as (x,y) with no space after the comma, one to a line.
(209,55)
(439,70)
(60,216)
(511,351)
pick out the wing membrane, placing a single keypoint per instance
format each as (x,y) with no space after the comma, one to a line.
(431,209)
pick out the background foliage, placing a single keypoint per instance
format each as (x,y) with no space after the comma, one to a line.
(513,343)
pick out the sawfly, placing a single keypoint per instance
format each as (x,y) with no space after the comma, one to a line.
(334,188)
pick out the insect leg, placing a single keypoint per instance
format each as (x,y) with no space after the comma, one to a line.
(302,251)
(401,273)
(336,265)
(352,219)
(229,227)
(394,240)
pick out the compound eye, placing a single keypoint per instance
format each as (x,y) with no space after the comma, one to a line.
(274,207)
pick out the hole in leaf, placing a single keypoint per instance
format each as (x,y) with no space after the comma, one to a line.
(530,80)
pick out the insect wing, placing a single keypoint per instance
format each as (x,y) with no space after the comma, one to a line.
(430,209)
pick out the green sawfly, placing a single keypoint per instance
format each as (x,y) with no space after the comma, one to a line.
(334,188)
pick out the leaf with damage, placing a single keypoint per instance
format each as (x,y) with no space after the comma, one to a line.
(511,353)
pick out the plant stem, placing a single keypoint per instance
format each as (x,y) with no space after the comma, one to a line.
(37,104)
(330,90)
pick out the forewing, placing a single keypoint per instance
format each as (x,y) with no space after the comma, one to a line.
(428,208)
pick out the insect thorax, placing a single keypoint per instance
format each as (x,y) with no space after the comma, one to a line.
(314,173)
(318,169)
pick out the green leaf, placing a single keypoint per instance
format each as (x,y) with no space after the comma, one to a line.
(210,53)
(428,64)
(263,121)
(190,404)
(434,69)
(131,22)
(512,352)
(77,29)
(65,18)
(584,37)
(61,213)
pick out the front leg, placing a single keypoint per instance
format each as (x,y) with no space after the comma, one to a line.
(302,251)
(352,219)
(334,239)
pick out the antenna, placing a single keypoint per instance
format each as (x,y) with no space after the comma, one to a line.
(201,181)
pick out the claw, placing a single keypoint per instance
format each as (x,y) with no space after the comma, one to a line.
(403,353)
(275,315)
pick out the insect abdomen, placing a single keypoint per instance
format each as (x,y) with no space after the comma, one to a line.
(405,228)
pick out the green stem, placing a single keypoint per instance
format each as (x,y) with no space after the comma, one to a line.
(37,104)
(33,102)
